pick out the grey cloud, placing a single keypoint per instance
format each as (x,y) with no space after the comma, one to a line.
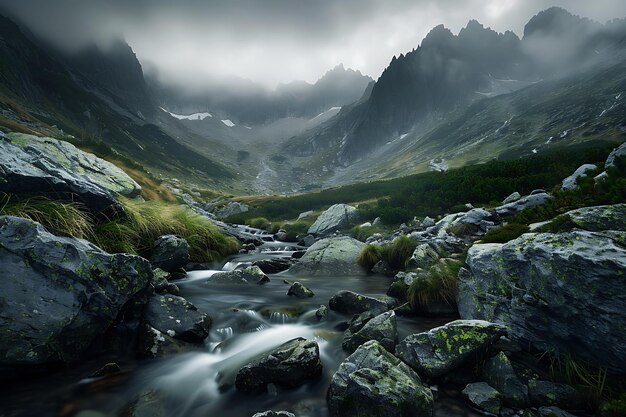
(271,41)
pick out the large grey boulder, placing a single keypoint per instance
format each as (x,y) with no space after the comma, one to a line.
(499,373)
(515,207)
(570,183)
(348,302)
(331,256)
(336,217)
(478,217)
(177,318)
(512,197)
(373,382)
(619,152)
(440,350)
(36,165)
(599,218)
(382,328)
(170,253)
(59,295)
(562,291)
(230,209)
(288,366)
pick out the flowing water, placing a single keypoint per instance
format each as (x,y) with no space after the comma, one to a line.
(247,321)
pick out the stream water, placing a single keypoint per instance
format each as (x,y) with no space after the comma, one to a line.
(247,321)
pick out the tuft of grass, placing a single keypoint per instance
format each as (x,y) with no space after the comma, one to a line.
(296,228)
(370,256)
(561,223)
(68,219)
(439,285)
(463,229)
(505,233)
(362,233)
(259,223)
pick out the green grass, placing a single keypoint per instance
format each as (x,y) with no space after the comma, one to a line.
(505,233)
(259,223)
(396,254)
(132,231)
(440,285)
(362,233)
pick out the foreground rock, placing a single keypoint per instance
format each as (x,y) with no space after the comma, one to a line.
(373,382)
(563,291)
(499,373)
(348,302)
(170,253)
(177,318)
(331,256)
(39,166)
(59,295)
(337,217)
(442,349)
(382,328)
(288,366)
(275,265)
(300,291)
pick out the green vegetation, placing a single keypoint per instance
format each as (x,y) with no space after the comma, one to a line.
(395,255)
(505,233)
(259,223)
(132,231)
(398,200)
(362,233)
(440,284)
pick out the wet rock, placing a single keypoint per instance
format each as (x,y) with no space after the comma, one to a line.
(300,291)
(170,253)
(307,240)
(512,198)
(331,256)
(321,312)
(515,207)
(483,397)
(348,302)
(36,165)
(570,183)
(546,393)
(373,382)
(499,373)
(553,412)
(288,366)
(338,216)
(274,265)
(59,295)
(108,369)
(382,328)
(553,291)
(249,275)
(274,414)
(442,349)
(147,404)
(177,318)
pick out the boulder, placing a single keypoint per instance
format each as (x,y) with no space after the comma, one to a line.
(512,198)
(546,393)
(424,256)
(478,217)
(177,318)
(249,275)
(442,349)
(305,214)
(288,366)
(338,216)
(483,396)
(271,413)
(427,222)
(553,412)
(300,291)
(170,253)
(331,256)
(599,218)
(499,373)
(348,302)
(59,295)
(563,291)
(570,183)
(373,382)
(515,207)
(153,343)
(149,403)
(42,166)
(274,265)
(619,152)
(382,328)
(230,209)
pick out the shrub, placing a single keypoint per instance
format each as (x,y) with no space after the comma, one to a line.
(505,233)
(439,285)
(259,223)
(463,229)
(362,233)
(370,256)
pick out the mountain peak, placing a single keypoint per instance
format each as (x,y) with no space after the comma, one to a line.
(556,20)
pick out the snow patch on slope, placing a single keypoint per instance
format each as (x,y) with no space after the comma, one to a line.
(194,116)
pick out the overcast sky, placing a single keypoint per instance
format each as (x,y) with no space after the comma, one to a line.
(272,41)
